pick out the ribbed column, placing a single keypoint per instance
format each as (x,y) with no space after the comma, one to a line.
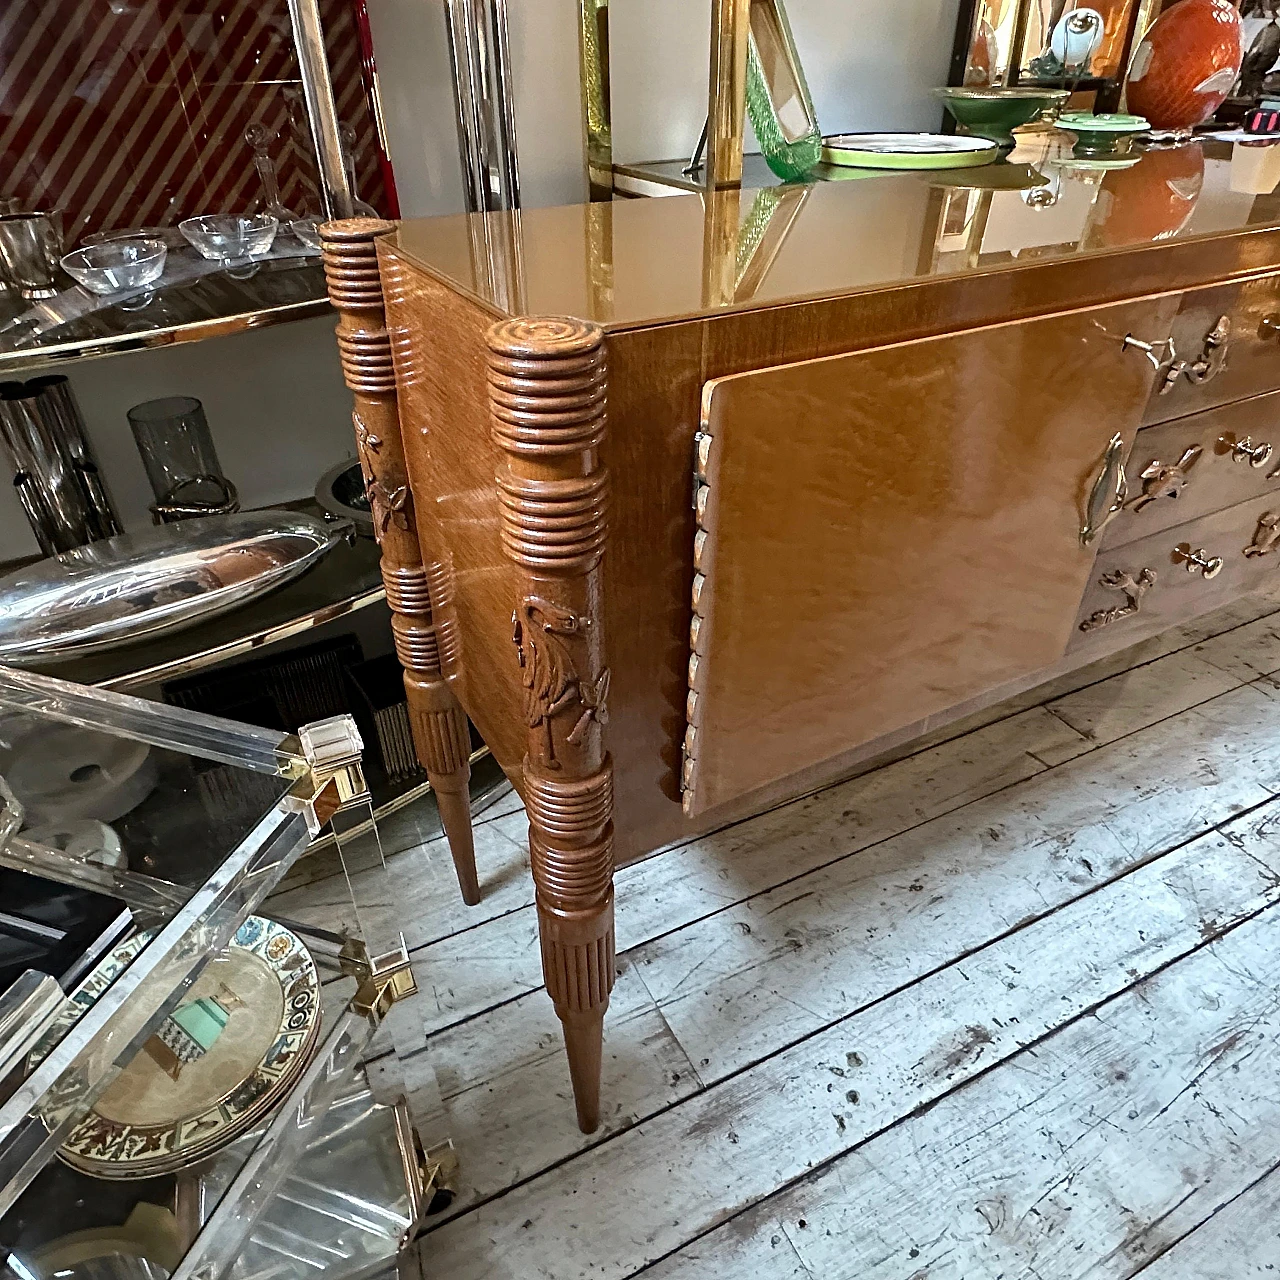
(547,397)
(439,724)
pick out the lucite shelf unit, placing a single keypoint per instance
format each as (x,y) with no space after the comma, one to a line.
(241,804)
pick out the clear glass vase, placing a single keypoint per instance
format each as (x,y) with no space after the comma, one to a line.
(182,464)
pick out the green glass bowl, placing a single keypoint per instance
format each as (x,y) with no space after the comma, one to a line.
(996,113)
(1105,135)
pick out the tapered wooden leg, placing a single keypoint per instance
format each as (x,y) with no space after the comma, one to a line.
(443,741)
(439,724)
(547,396)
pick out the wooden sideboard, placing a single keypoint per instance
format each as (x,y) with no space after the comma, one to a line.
(692,504)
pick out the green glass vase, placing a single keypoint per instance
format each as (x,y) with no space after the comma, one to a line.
(778,102)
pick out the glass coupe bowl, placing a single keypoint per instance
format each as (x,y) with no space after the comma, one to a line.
(116,265)
(225,236)
(308,231)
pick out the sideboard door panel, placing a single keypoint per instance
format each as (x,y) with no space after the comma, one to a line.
(886,534)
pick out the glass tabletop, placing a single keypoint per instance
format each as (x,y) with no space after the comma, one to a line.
(648,261)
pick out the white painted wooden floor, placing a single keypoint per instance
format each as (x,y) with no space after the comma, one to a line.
(1006,1007)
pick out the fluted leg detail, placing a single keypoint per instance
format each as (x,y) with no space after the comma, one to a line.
(547,396)
(439,724)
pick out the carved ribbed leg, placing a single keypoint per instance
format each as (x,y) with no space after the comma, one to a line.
(439,724)
(547,395)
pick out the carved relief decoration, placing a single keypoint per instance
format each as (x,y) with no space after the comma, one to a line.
(547,397)
(1165,480)
(1133,588)
(438,723)
(1266,537)
(366,441)
(551,681)
(388,506)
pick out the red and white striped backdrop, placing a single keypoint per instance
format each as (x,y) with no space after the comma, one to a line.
(127,113)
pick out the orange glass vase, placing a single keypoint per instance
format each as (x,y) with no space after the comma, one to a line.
(1186,64)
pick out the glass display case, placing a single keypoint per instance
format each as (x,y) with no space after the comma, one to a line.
(183,1092)
(123,121)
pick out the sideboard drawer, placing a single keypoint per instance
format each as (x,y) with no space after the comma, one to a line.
(1191,467)
(1147,585)
(1226,346)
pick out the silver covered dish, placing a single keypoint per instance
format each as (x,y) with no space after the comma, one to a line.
(140,585)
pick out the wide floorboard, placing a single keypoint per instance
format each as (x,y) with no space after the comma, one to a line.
(1007,1005)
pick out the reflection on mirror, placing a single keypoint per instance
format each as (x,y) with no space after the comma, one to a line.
(1078,45)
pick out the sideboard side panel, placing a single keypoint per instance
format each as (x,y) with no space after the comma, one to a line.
(437,341)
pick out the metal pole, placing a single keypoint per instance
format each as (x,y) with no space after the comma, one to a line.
(322,113)
(481,60)
(593,58)
(730,30)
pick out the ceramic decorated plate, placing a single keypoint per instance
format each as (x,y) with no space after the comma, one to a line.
(85,996)
(907,150)
(216,1066)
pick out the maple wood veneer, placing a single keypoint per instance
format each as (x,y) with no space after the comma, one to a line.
(702,529)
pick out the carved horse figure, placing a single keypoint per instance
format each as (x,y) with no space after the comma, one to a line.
(551,680)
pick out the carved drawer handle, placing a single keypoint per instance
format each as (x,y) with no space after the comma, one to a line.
(1207,365)
(1270,327)
(1165,479)
(1209,566)
(1133,589)
(1265,537)
(1108,493)
(1256,455)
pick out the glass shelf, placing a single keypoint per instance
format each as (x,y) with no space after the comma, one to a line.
(346,580)
(668,177)
(194,299)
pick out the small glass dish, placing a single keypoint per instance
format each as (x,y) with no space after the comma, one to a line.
(170,237)
(117,265)
(307,230)
(222,237)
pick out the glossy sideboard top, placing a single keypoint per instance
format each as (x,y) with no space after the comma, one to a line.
(638,262)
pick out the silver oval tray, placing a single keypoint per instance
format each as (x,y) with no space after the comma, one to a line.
(140,585)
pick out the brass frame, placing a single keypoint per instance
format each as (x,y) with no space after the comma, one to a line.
(727,91)
(726,97)
(593,54)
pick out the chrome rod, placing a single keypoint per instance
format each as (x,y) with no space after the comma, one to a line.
(504,107)
(481,64)
(322,112)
